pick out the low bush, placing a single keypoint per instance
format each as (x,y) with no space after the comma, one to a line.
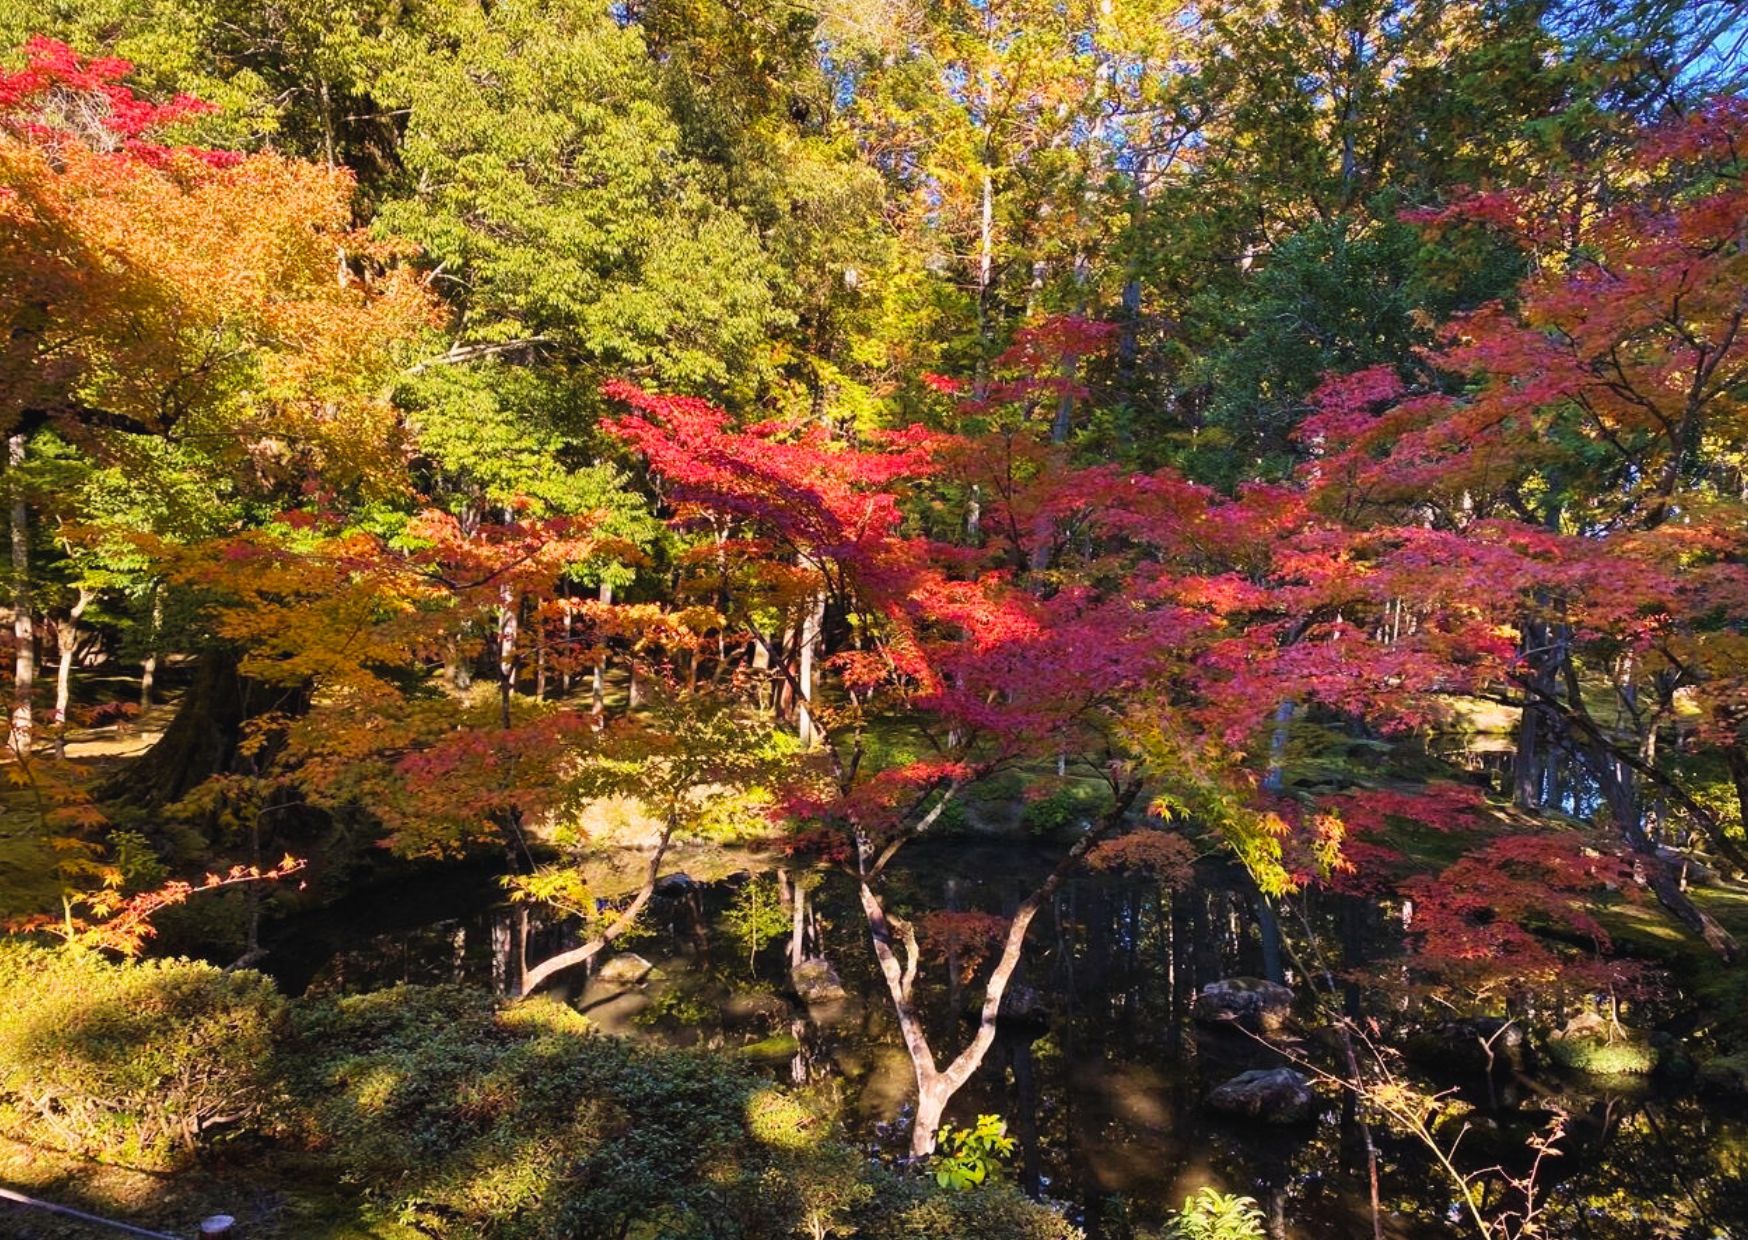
(449,1112)
(1065,808)
(464,1117)
(1625,1056)
(904,1207)
(459,1116)
(136,1063)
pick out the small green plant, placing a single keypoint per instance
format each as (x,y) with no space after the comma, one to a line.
(686,1007)
(1210,1214)
(964,1157)
(1060,810)
(757,916)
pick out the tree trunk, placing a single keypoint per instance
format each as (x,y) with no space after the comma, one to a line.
(1620,789)
(23,632)
(598,685)
(66,641)
(805,727)
(1533,730)
(549,968)
(936,1086)
(931,1105)
(149,668)
(1269,930)
(507,626)
(202,739)
(797,924)
(1737,757)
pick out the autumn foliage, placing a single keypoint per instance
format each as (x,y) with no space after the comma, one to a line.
(457,609)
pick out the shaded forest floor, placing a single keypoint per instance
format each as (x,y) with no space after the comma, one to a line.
(270,1199)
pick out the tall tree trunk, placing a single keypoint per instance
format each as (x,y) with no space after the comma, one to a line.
(201,740)
(568,633)
(598,683)
(1268,924)
(1063,423)
(762,685)
(1620,789)
(540,666)
(805,726)
(507,626)
(23,630)
(149,668)
(985,269)
(1534,732)
(797,923)
(66,642)
(1737,757)
(1269,931)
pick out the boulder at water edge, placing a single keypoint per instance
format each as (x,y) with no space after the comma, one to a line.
(627,968)
(1262,1007)
(816,981)
(1268,1095)
(1472,1046)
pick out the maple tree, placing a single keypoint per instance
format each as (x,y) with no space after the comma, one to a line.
(367,626)
(997,674)
(161,290)
(1580,496)
(1269,456)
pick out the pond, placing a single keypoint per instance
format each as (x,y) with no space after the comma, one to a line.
(1106,1078)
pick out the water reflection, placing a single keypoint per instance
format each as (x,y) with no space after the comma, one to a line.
(1100,1069)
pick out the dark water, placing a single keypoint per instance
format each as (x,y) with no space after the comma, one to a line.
(1105,1085)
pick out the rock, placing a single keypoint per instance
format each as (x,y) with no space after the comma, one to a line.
(673,886)
(754,1007)
(1462,1046)
(817,982)
(778,1048)
(1591,1044)
(1727,1074)
(1585,1025)
(627,968)
(1696,872)
(1268,1095)
(1260,1006)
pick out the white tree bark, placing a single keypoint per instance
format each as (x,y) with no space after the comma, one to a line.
(23,630)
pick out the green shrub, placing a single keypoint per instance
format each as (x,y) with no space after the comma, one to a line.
(965,1157)
(1210,1214)
(907,1207)
(471,1120)
(468,1118)
(1063,809)
(447,1111)
(136,1063)
(1727,1074)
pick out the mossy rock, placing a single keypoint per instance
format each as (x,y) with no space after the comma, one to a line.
(778,1048)
(1473,1046)
(628,969)
(1726,1074)
(1589,1044)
